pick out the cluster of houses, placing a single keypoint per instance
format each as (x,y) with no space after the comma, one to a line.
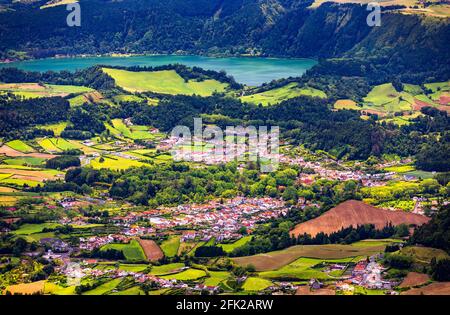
(220,220)
(93,242)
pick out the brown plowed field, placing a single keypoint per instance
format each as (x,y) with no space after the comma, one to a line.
(436,288)
(414,279)
(14,153)
(354,213)
(151,249)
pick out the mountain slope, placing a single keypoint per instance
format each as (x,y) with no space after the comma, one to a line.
(353,213)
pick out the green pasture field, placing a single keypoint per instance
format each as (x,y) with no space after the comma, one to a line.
(390,190)
(166,269)
(303,269)
(115,163)
(31,228)
(132,251)
(130,291)
(48,145)
(424,255)
(54,289)
(375,242)
(56,128)
(278,95)
(35,90)
(216,277)
(186,275)
(25,161)
(170,246)
(385,98)
(19,182)
(277,259)
(163,82)
(405,205)
(256,284)
(19,145)
(133,267)
(400,168)
(104,288)
(228,248)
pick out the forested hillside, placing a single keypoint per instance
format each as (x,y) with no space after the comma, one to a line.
(262,27)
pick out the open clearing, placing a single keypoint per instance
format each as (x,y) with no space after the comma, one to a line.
(151,250)
(163,82)
(354,213)
(424,255)
(278,95)
(277,259)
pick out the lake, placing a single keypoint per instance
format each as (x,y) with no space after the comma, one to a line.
(248,70)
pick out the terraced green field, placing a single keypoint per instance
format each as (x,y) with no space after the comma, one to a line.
(276,96)
(163,82)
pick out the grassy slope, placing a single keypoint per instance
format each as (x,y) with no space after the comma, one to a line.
(164,82)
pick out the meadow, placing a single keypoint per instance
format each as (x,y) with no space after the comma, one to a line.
(276,96)
(21,146)
(228,248)
(114,163)
(277,259)
(186,275)
(256,284)
(132,251)
(35,90)
(163,82)
(166,269)
(170,246)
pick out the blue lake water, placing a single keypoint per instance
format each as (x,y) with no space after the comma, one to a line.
(248,70)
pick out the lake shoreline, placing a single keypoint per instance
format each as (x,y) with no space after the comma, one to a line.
(248,70)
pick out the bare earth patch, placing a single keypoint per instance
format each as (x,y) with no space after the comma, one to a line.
(305,290)
(14,153)
(354,213)
(414,279)
(436,288)
(151,249)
